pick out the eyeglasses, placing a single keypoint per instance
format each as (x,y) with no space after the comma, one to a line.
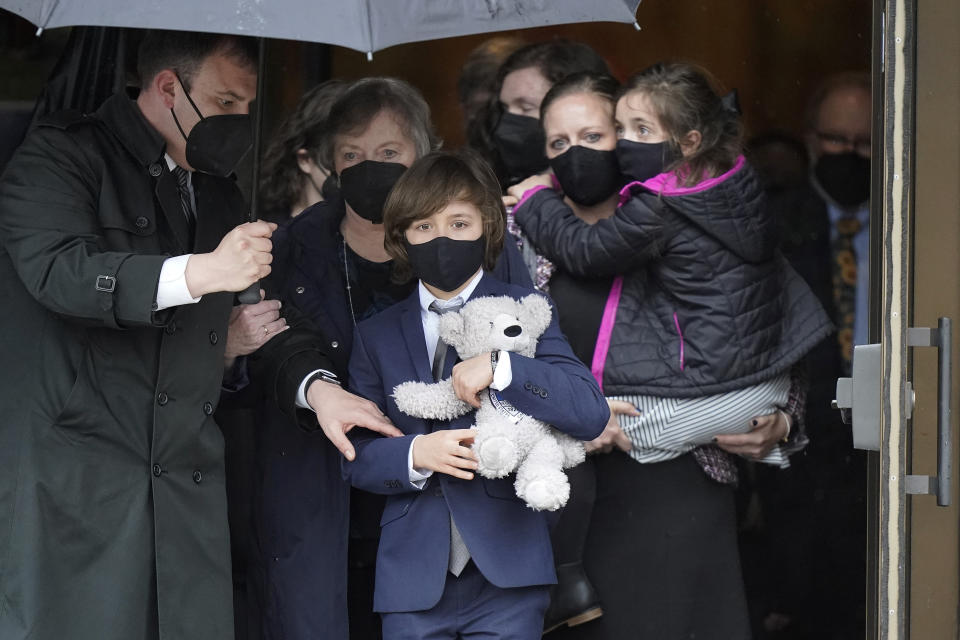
(838,141)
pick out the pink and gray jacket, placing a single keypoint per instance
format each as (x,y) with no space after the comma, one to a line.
(706,303)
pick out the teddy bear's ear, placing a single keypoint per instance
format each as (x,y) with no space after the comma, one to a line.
(451,328)
(535,313)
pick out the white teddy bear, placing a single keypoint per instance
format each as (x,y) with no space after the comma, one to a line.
(507,440)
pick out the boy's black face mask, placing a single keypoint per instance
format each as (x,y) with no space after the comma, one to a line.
(520,142)
(366,185)
(216,144)
(446,263)
(587,176)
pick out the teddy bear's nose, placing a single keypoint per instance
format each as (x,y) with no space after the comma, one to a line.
(513,331)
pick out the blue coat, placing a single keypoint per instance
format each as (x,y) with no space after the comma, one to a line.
(508,541)
(304,506)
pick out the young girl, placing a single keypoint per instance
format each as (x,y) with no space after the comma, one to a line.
(459,556)
(705,317)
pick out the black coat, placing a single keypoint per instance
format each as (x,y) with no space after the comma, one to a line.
(112,502)
(709,304)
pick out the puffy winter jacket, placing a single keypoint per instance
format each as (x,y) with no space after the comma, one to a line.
(708,303)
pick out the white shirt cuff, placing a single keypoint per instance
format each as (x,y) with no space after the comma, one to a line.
(301,400)
(503,374)
(172,289)
(418,477)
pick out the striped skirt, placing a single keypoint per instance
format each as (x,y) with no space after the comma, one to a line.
(667,428)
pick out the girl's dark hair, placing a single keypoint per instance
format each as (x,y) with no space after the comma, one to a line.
(429,185)
(281,179)
(684,99)
(365,98)
(599,84)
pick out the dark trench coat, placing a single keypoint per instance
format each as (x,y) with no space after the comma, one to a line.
(113,521)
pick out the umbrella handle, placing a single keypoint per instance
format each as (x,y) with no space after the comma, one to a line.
(251,295)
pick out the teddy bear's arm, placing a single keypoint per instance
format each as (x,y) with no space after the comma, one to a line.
(436,401)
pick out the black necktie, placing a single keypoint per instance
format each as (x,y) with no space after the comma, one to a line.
(440,353)
(186,199)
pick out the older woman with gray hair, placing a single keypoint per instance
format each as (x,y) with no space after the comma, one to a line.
(331,271)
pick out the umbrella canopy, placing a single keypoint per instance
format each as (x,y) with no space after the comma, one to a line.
(364,25)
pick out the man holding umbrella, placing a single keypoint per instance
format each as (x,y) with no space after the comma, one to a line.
(121,242)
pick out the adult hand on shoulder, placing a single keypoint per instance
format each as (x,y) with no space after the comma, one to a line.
(765,432)
(613,435)
(241,258)
(338,411)
(252,326)
(472,376)
(444,452)
(539,180)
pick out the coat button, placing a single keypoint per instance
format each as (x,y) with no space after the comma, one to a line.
(142,222)
(214,338)
(162,398)
(157,470)
(543,394)
(334,344)
(155,169)
(299,289)
(527,386)
(171,328)
(197,476)
(207,408)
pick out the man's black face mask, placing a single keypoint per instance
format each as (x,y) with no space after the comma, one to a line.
(216,144)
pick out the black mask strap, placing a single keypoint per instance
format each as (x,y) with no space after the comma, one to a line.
(192,104)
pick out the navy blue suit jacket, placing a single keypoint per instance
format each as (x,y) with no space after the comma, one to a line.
(508,541)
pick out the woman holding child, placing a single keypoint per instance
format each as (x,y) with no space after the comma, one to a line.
(700,328)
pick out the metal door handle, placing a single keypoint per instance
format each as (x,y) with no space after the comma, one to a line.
(942,339)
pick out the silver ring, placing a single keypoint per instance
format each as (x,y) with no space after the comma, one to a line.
(266,331)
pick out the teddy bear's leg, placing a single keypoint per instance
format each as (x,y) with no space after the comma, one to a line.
(573,451)
(540,481)
(495,446)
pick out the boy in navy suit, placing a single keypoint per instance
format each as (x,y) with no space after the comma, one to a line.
(459,557)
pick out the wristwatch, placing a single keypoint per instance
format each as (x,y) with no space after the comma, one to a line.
(494,359)
(324,376)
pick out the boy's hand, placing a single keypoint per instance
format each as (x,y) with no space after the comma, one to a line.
(444,452)
(472,376)
(338,411)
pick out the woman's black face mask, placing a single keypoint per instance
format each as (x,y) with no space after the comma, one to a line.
(216,144)
(520,142)
(366,185)
(587,176)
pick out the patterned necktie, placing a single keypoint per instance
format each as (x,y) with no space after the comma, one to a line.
(186,198)
(440,353)
(845,286)
(459,554)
